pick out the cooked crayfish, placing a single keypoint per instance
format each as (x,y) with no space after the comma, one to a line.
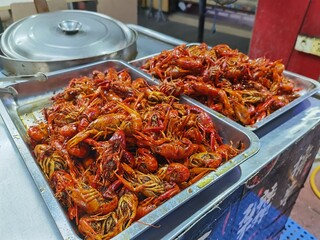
(222,78)
(49,159)
(83,196)
(109,225)
(99,227)
(146,162)
(174,172)
(114,148)
(149,185)
(150,203)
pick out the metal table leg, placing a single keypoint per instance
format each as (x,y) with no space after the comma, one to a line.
(150,10)
(1,26)
(160,15)
(202,16)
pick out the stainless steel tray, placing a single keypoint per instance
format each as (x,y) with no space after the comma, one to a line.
(22,110)
(307,86)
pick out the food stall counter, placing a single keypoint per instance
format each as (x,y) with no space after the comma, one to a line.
(289,145)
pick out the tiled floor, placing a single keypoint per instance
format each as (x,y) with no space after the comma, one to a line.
(306,211)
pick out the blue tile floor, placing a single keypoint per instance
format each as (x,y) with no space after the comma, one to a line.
(306,211)
(294,231)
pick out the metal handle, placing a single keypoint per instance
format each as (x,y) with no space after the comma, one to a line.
(34,77)
(70,26)
(9,90)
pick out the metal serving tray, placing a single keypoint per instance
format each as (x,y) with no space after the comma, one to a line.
(24,109)
(308,88)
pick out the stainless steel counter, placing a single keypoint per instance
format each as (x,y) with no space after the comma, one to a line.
(24,214)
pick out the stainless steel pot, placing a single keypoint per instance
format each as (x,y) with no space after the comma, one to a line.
(51,41)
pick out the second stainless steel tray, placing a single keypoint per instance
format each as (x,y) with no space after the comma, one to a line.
(307,87)
(23,110)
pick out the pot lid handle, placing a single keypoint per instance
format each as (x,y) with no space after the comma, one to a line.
(9,90)
(70,26)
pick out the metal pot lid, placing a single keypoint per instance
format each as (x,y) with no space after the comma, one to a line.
(65,35)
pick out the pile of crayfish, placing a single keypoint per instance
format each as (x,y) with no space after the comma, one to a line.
(224,79)
(114,148)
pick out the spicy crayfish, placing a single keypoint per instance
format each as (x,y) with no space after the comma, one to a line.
(114,148)
(226,80)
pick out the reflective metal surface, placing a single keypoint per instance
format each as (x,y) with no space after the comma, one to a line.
(148,42)
(65,35)
(70,26)
(56,40)
(39,76)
